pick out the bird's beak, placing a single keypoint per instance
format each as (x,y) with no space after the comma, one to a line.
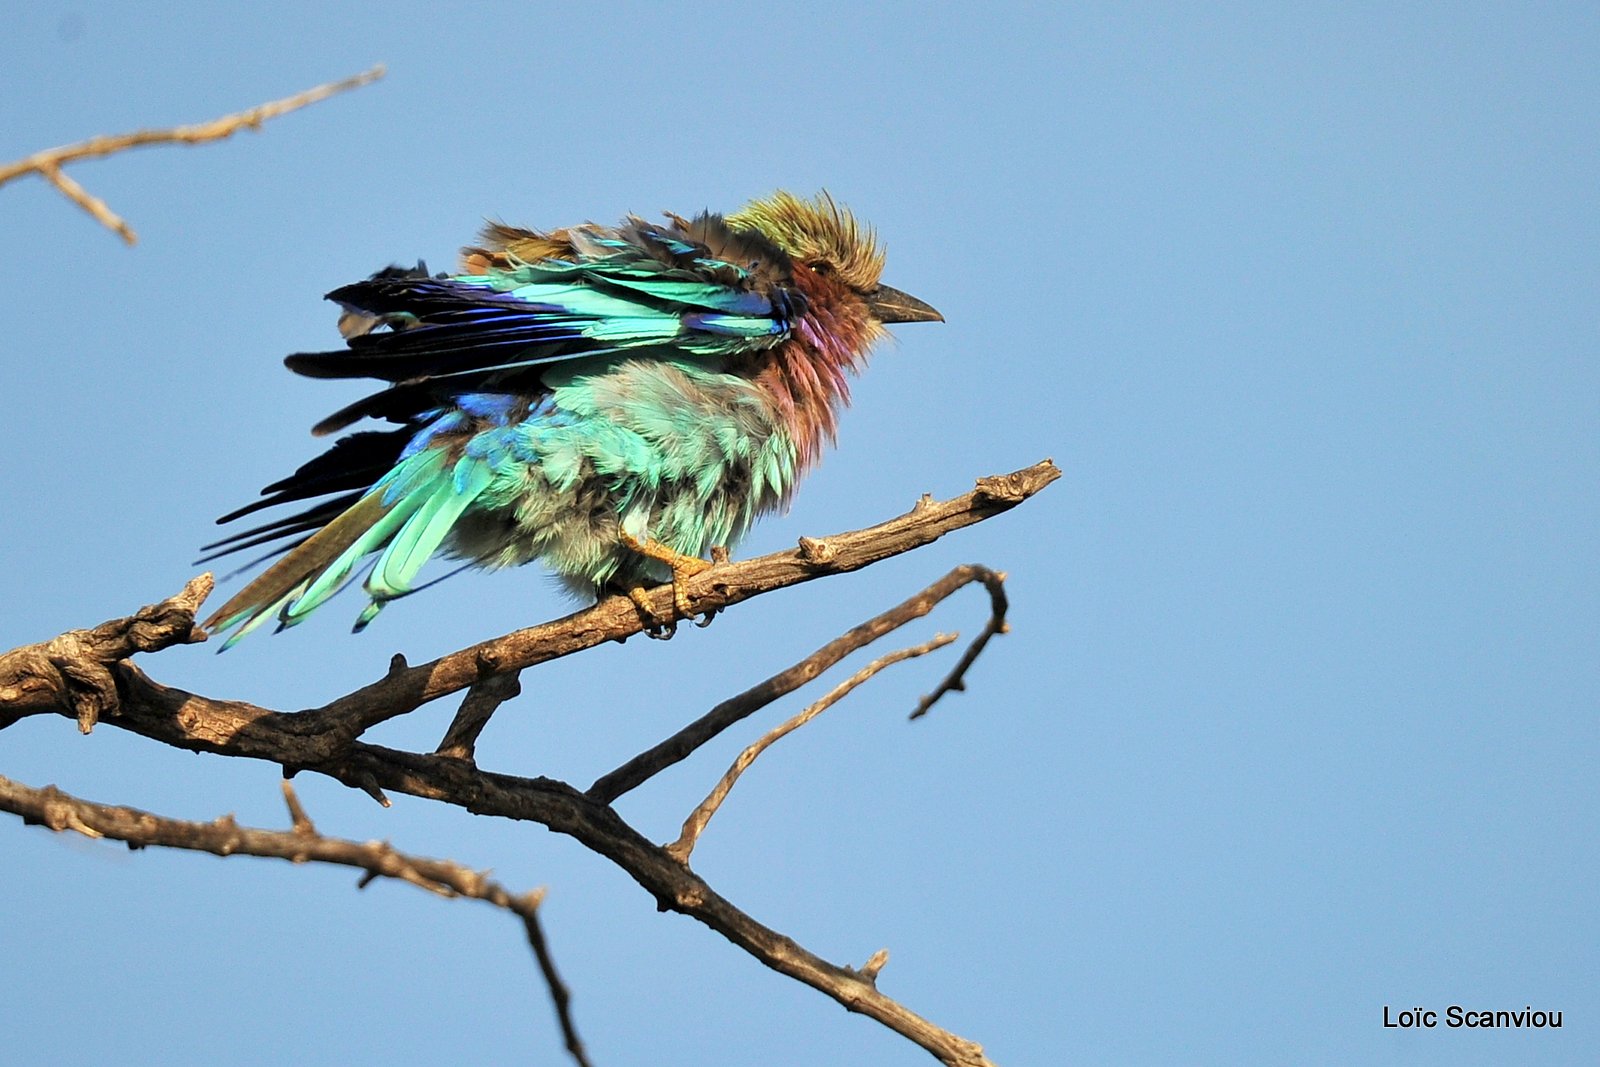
(891,305)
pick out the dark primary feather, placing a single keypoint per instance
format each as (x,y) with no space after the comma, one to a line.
(701,366)
(449,327)
(351,465)
(299,526)
(353,462)
(435,338)
(498,331)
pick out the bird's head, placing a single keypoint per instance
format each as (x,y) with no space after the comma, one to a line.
(841,256)
(834,267)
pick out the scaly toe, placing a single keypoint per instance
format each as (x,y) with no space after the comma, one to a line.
(655,627)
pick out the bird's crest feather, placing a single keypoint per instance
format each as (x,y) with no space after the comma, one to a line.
(816,229)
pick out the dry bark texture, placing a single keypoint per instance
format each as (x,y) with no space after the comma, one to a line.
(87,676)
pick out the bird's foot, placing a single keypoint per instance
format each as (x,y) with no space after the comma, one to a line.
(655,627)
(683,568)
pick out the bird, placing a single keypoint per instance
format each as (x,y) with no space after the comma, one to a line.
(614,402)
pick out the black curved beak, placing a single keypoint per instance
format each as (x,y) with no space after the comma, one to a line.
(891,305)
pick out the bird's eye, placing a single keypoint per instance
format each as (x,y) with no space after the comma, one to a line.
(822,268)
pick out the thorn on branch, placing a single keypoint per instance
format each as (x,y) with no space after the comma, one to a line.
(368,784)
(88,683)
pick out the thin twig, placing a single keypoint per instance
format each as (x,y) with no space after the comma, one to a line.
(56,810)
(98,209)
(47,164)
(90,669)
(297,813)
(680,745)
(956,680)
(559,995)
(695,824)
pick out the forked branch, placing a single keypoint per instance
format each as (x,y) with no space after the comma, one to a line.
(696,823)
(680,745)
(48,163)
(86,675)
(302,843)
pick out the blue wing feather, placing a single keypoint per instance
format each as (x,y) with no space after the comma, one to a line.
(459,351)
(468,327)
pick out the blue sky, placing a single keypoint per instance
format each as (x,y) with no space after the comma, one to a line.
(1297,719)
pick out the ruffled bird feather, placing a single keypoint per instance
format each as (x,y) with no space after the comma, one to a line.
(672,382)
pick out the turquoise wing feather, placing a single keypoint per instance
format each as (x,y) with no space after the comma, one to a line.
(468,353)
(497,331)
(671,382)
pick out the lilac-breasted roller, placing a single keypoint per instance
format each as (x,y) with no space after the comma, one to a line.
(611,401)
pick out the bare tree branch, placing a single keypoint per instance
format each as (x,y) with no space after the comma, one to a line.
(73,670)
(955,681)
(675,887)
(34,684)
(481,701)
(559,994)
(55,810)
(698,819)
(90,667)
(97,208)
(680,745)
(615,618)
(47,164)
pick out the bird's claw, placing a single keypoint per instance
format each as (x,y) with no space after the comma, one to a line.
(655,627)
(683,568)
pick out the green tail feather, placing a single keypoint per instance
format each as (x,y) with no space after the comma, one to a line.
(337,573)
(290,575)
(427,528)
(406,527)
